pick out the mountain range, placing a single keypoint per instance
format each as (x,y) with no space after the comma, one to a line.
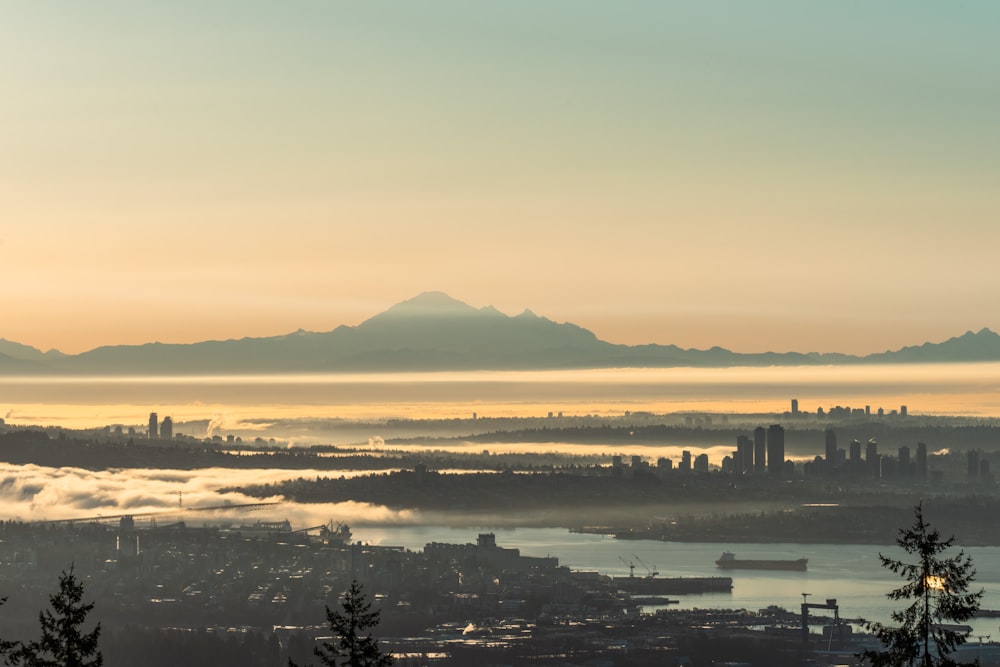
(434,332)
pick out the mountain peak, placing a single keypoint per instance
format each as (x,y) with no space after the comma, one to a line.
(428,304)
(982,337)
(982,345)
(26,352)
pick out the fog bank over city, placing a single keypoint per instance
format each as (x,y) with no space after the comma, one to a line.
(38,493)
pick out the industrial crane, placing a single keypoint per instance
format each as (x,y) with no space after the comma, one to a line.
(831,603)
(650,573)
(631,566)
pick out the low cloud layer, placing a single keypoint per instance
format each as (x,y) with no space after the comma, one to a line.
(37,493)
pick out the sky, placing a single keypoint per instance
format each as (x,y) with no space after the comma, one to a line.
(774,175)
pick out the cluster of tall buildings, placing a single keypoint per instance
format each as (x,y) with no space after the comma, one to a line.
(840,411)
(160,430)
(864,461)
(763,453)
(978,467)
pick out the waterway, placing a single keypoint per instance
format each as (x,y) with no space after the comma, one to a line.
(276,405)
(851,574)
(279,406)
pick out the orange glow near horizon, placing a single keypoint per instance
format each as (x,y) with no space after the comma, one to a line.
(945,389)
(789,180)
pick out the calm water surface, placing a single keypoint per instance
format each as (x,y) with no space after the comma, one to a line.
(947,389)
(849,573)
(273,405)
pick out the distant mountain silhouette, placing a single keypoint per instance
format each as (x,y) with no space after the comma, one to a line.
(14,366)
(17,358)
(26,352)
(429,332)
(983,345)
(433,332)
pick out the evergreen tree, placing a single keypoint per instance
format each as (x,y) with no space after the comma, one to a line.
(938,590)
(63,643)
(354,646)
(5,646)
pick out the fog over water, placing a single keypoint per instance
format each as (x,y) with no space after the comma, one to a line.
(290,408)
(850,573)
(279,406)
(39,493)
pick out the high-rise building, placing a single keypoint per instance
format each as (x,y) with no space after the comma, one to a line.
(921,462)
(831,446)
(154,425)
(685,461)
(167,428)
(795,406)
(701,463)
(775,450)
(759,450)
(855,455)
(872,459)
(972,463)
(903,470)
(127,540)
(744,455)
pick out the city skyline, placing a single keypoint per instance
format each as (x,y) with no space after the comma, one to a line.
(767,177)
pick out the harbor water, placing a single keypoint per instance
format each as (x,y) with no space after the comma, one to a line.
(851,574)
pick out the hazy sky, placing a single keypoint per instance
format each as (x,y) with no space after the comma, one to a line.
(757,175)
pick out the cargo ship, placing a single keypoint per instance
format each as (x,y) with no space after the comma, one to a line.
(728,561)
